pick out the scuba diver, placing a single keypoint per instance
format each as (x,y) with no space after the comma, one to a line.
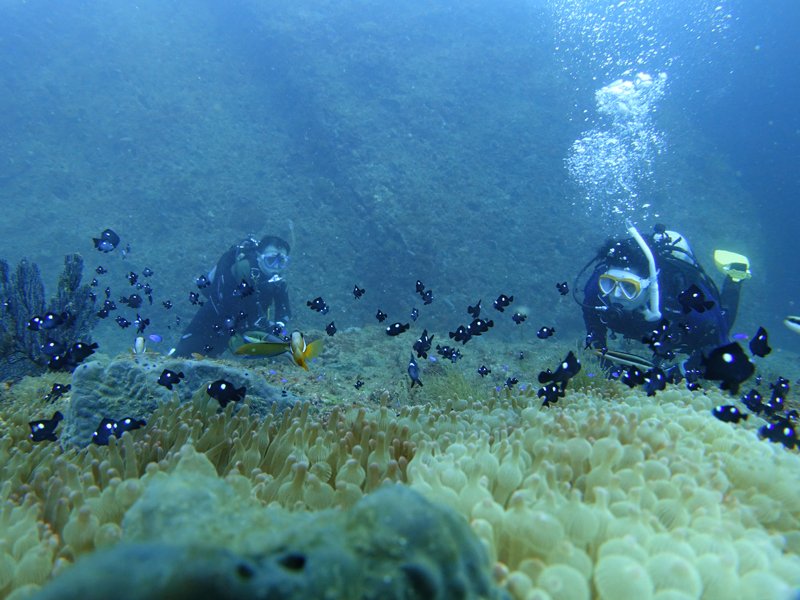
(240,291)
(642,289)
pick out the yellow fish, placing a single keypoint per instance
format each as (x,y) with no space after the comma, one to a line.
(296,348)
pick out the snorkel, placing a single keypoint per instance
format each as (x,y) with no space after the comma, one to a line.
(653,313)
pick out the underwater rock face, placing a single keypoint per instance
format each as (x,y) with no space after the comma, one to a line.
(127,387)
(392,544)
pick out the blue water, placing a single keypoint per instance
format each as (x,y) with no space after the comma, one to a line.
(401,141)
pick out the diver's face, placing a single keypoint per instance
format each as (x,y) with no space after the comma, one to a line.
(272,260)
(622,286)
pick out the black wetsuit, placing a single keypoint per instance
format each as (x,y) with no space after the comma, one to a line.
(708,329)
(222,302)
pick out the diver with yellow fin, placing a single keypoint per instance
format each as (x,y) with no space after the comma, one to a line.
(645,286)
(265,345)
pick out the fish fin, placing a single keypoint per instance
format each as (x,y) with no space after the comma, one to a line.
(313,350)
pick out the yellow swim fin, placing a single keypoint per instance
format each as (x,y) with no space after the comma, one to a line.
(735,266)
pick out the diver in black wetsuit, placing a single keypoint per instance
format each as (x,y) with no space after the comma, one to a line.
(241,289)
(636,283)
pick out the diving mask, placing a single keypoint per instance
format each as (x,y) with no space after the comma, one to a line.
(273,260)
(621,284)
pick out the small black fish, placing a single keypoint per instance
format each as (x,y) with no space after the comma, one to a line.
(754,402)
(94,283)
(134,301)
(104,431)
(447,352)
(318,304)
(693,386)
(787,418)
(358,384)
(479,326)
(511,382)
(122,322)
(661,340)
(194,298)
(208,348)
(167,304)
(414,314)
(774,406)
(92,296)
(109,427)
(100,270)
(109,305)
(108,292)
(730,365)
(475,311)
(427,297)
(633,376)
(502,301)
(396,329)
(330,329)
(225,392)
(148,272)
(52,347)
(243,290)
(568,368)
(461,334)
(483,371)
(759,345)
(58,362)
(107,241)
(693,298)
(381,316)
(780,389)
(545,332)
(51,320)
(102,313)
(563,288)
(728,413)
(518,318)
(413,372)
(420,287)
(781,435)
(132,278)
(551,393)
(44,429)
(358,292)
(423,344)
(141,324)
(34,324)
(169,378)
(56,392)
(202,282)
(655,380)
(80,351)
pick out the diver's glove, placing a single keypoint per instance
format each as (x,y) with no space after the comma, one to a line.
(735,266)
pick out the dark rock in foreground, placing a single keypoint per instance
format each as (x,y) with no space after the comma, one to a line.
(392,544)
